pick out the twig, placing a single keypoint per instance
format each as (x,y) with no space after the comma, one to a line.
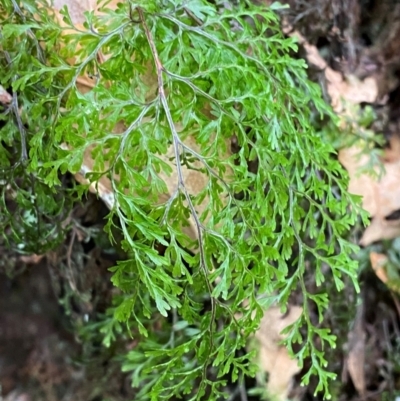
(396,302)
(69,255)
(39,50)
(242,390)
(22,131)
(21,128)
(193,17)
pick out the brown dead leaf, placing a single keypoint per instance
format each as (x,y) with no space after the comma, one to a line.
(274,357)
(381,196)
(343,92)
(355,362)
(31,259)
(5,97)
(75,8)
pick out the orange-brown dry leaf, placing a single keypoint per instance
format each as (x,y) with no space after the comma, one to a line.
(273,357)
(381,196)
(378,263)
(392,154)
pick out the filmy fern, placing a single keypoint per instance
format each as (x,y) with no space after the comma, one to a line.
(275,208)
